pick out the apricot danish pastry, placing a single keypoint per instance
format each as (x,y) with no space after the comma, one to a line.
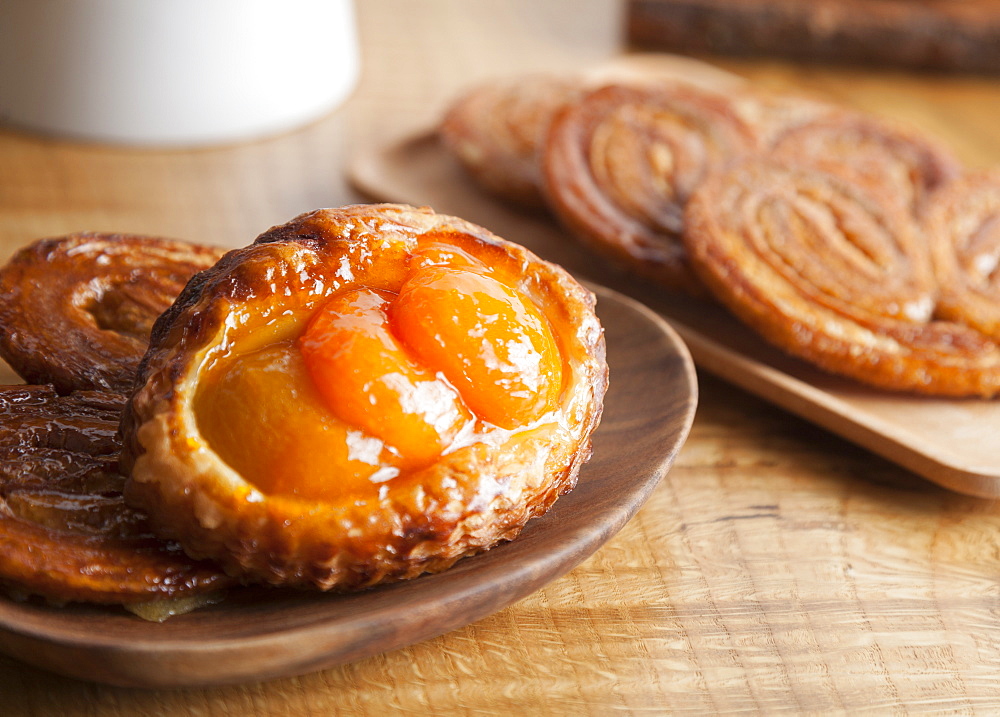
(76,311)
(620,164)
(65,531)
(363,394)
(833,272)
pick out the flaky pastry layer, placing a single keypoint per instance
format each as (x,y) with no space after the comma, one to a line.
(467,501)
(76,311)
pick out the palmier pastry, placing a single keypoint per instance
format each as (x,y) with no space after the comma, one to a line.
(496,128)
(904,164)
(773,114)
(834,273)
(76,311)
(65,532)
(620,164)
(363,394)
(963,225)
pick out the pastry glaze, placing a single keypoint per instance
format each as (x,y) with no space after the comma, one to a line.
(836,273)
(620,164)
(65,531)
(423,477)
(76,311)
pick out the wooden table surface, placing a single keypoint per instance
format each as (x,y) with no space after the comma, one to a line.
(776,568)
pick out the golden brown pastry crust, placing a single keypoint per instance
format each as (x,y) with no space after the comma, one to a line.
(835,273)
(905,165)
(773,114)
(620,164)
(76,311)
(466,502)
(962,223)
(496,128)
(65,531)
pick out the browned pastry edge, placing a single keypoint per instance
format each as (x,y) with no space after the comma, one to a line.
(469,500)
(497,127)
(76,311)
(646,236)
(962,222)
(495,130)
(772,114)
(65,531)
(761,281)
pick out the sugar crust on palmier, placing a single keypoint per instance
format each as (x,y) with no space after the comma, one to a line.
(620,163)
(962,224)
(889,157)
(835,272)
(76,311)
(496,129)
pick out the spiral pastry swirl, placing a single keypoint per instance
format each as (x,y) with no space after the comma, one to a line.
(963,223)
(76,311)
(620,164)
(835,273)
(495,131)
(65,531)
(904,165)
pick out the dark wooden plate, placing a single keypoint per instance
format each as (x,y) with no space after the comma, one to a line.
(257,634)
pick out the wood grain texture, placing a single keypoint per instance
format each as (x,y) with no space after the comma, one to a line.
(777,569)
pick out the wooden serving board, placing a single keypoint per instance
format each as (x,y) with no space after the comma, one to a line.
(951,442)
(957,35)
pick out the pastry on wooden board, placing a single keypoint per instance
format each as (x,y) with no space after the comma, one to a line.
(834,272)
(364,394)
(76,311)
(65,531)
(621,160)
(500,130)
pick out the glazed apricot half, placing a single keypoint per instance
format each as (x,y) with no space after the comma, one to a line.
(363,394)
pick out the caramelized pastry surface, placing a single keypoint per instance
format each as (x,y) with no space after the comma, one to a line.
(496,129)
(620,164)
(364,394)
(65,531)
(76,311)
(836,273)
(963,224)
(904,165)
